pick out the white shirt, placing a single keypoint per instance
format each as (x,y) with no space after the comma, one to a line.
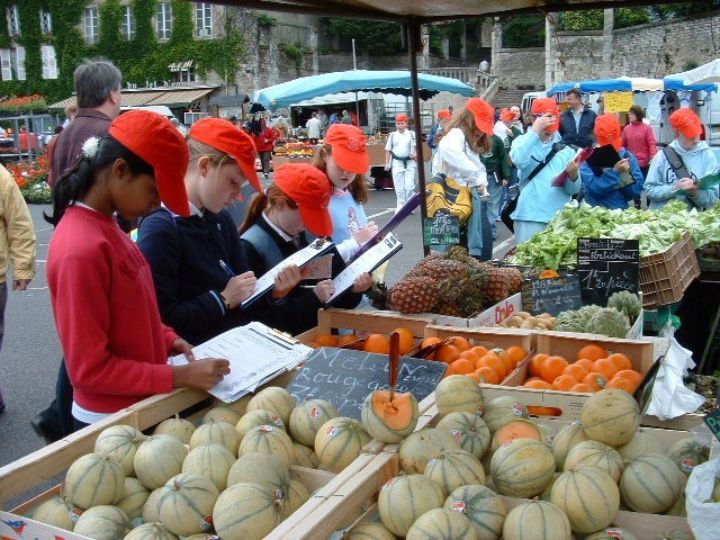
(313,126)
(456,159)
(401,144)
(501,130)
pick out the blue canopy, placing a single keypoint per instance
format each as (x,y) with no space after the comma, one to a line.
(677,84)
(628,84)
(389,82)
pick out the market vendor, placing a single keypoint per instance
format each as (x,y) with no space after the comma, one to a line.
(400,160)
(540,157)
(675,171)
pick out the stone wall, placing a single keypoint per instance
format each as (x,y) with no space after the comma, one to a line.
(343,61)
(522,69)
(579,56)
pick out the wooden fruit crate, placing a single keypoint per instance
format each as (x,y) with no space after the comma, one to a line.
(665,276)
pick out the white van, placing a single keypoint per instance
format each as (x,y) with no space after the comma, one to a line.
(527,100)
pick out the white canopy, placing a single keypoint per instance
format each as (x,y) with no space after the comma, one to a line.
(706,74)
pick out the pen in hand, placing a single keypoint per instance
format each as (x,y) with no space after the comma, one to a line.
(226,268)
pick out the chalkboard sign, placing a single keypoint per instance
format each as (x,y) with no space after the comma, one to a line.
(442,228)
(712,420)
(345,378)
(606,266)
(551,295)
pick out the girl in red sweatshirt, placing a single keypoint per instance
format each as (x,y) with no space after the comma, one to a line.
(101,287)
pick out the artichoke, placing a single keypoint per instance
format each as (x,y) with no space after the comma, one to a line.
(610,322)
(626,302)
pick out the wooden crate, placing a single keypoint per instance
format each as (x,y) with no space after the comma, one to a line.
(664,277)
(497,337)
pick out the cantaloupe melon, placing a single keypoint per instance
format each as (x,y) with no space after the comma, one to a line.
(679,509)
(650,484)
(565,439)
(246,512)
(213,432)
(595,454)
(120,442)
(612,533)
(221,414)
(453,469)
(151,512)
(213,461)
(94,479)
(688,453)
(58,512)
(370,530)
(271,440)
(536,520)
(304,456)
(610,416)
(274,399)
(150,531)
(421,446)
(458,393)
(103,522)
(441,524)
(133,499)
(469,429)
(643,442)
(158,459)
(295,496)
(264,469)
(307,417)
(485,509)
(545,495)
(389,421)
(403,499)
(186,504)
(338,442)
(256,418)
(502,410)
(516,429)
(589,497)
(176,427)
(522,468)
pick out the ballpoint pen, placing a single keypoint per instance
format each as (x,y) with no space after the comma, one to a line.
(226,268)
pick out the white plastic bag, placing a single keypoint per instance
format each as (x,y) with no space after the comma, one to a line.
(703,517)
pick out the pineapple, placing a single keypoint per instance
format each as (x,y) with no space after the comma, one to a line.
(498,284)
(414,295)
(439,269)
(515,279)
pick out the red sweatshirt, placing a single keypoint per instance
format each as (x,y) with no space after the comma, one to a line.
(639,139)
(106,313)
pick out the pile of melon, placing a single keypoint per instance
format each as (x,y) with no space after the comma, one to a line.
(228,476)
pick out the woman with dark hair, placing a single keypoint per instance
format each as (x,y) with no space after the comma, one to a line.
(638,138)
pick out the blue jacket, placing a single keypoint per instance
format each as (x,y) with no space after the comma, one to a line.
(539,201)
(601,186)
(583,137)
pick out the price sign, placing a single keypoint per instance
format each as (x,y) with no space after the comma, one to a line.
(551,295)
(712,420)
(617,102)
(606,266)
(442,228)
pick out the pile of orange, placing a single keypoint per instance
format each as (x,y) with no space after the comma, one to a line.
(374,343)
(594,369)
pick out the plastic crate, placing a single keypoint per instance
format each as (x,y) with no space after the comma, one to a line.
(665,277)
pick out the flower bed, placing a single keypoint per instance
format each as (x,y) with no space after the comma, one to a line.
(31,178)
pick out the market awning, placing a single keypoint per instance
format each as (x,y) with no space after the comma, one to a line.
(705,77)
(629,84)
(171,97)
(183,98)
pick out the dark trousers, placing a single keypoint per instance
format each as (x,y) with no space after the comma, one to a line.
(57,421)
(265,160)
(3,301)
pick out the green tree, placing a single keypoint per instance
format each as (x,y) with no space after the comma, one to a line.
(370,36)
(523,31)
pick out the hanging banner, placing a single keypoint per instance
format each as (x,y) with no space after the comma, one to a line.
(617,102)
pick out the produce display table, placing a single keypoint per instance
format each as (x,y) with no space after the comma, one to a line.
(376,151)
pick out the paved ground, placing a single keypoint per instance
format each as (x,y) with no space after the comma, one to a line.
(30,353)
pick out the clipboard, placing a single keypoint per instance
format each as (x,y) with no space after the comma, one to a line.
(603,157)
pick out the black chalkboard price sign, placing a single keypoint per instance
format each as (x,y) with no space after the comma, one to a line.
(346,377)
(442,228)
(551,295)
(606,266)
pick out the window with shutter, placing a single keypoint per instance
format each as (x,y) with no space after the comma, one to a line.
(164,20)
(18,63)
(91,24)
(49,62)
(45,22)
(203,20)
(128,23)
(13,20)
(5,65)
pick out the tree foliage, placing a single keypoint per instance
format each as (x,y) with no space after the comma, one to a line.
(371,37)
(523,31)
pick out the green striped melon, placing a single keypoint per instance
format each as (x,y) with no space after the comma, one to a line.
(133,499)
(688,453)
(595,454)
(421,446)
(453,469)
(150,531)
(307,417)
(221,414)
(58,512)
(502,410)
(389,421)
(650,484)
(643,442)
(246,512)
(403,499)
(151,512)
(295,496)
(274,399)
(186,504)
(304,456)
(612,533)
(458,393)
(610,416)
(176,427)
(469,429)
(213,432)
(120,442)
(679,509)
(589,497)
(255,418)
(522,468)
(370,530)
(338,442)
(441,524)
(536,520)
(545,495)
(212,461)
(158,459)
(516,429)
(268,439)
(485,509)
(548,430)
(103,522)
(565,440)
(94,479)
(264,469)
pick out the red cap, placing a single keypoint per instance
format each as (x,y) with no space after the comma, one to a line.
(155,140)
(685,121)
(542,106)
(401,118)
(444,114)
(484,114)
(506,115)
(348,148)
(608,131)
(310,188)
(223,135)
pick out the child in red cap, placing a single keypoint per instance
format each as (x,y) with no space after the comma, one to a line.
(101,287)
(201,272)
(275,228)
(400,159)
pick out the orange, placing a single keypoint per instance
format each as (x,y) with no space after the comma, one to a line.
(460,342)
(592,352)
(552,368)
(479,350)
(447,353)
(538,384)
(407,340)
(621,361)
(475,376)
(509,366)
(576,371)
(536,363)
(427,342)
(564,383)
(462,366)
(596,381)
(469,355)
(377,343)
(582,387)
(495,363)
(631,375)
(621,384)
(345,339)
(488,375)
(606,367)
(326,340)
(516,354)
(587,364)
